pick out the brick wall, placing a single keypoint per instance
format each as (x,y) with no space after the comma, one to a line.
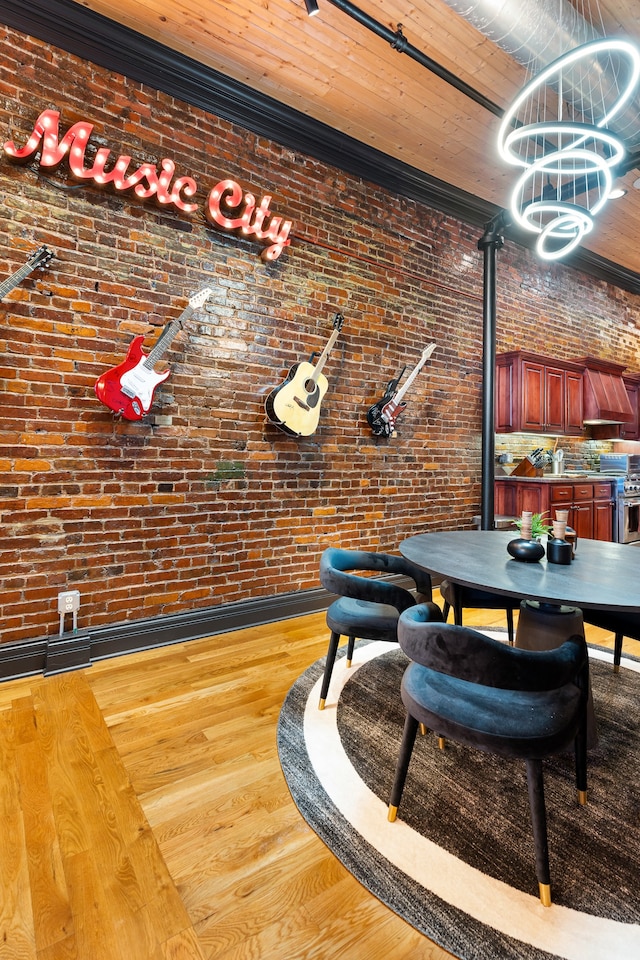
(206,502)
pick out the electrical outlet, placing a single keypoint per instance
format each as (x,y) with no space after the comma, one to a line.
(68,601)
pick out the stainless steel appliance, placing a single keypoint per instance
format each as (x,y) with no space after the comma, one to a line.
(625,469)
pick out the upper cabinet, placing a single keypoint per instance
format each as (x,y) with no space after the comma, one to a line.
(537,395)
(631,430)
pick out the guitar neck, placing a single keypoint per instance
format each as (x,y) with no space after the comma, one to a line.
(7,285)
(414,373)
(317,370)
(166,338)
(324,356)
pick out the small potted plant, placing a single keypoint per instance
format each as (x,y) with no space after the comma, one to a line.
(539,528)
(527,546)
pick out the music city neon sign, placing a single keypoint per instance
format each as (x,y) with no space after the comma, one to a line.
(227,205)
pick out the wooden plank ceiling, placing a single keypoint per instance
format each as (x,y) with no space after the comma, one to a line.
(335,70)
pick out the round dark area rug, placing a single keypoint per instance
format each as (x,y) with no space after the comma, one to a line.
(458,864)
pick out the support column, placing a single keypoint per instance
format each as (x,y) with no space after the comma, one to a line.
(489,243)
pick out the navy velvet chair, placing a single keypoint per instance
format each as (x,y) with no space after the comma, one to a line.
(484,694)
(457,598)
(621,624)
(367,608)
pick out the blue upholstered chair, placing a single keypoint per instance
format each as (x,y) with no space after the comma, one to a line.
(503,700)
(457,598)
(366,608)
(621,624)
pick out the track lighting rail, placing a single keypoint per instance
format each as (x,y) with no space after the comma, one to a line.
(399,42)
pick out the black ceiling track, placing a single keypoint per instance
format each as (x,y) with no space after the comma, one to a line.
(399,42)
(86,34)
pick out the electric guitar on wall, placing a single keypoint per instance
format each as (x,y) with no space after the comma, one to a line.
(294,406)
(382,416)
(128,388)
(37,261)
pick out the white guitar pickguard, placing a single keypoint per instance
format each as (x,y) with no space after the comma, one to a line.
(140,382)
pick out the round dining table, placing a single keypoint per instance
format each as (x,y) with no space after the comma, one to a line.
(602,575)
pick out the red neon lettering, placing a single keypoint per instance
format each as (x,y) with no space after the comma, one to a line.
(240,210)
(254,217)
(45,132)
(251,220)
(117,174)
(230,193)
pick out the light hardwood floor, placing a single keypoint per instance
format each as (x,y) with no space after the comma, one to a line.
(145,815)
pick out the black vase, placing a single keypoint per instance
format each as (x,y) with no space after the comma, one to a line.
(559,551)
(528,551)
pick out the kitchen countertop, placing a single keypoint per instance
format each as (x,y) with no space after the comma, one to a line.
(560,477)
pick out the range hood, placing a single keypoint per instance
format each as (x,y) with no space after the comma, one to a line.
(604,394)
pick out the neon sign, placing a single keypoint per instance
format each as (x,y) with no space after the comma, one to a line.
(227,205)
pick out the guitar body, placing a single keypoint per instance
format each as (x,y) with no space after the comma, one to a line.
(128,388)
(380,427)
(391,411)
(382,417)
(294,406)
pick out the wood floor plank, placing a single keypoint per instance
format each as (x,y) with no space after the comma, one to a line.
(52,917)
(66,949)
(17,933)
(119,888)
(183,946)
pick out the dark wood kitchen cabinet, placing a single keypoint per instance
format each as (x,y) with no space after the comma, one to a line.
(589,502)
(603,519)
(631,431)
(590,507)
(577,498)
(537,395)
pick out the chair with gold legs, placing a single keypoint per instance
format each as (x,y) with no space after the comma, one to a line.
(367,607)
(470,689)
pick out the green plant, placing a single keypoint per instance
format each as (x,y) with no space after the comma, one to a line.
(539,528)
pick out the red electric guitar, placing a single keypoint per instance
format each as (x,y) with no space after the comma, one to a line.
(37,261)
(382,416)
(128,388)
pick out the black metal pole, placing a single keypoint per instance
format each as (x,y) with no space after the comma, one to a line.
(400,43)
(489,243)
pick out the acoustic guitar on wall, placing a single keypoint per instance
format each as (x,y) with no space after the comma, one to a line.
(128,389)
(294,406)
(37,261)
(382,416)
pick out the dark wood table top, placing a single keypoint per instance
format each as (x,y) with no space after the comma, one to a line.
(602,575)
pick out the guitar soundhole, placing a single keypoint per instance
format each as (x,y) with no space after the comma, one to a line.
(312,392)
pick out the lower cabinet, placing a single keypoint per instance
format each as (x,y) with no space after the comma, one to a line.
(590,504)
(603,519)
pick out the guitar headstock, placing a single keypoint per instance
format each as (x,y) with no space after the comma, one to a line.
(426,353)
(41,258)
(198,299)
(338,321)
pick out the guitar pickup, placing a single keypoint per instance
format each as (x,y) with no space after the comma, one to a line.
(301,403)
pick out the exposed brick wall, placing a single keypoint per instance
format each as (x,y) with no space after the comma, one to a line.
(218,505)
